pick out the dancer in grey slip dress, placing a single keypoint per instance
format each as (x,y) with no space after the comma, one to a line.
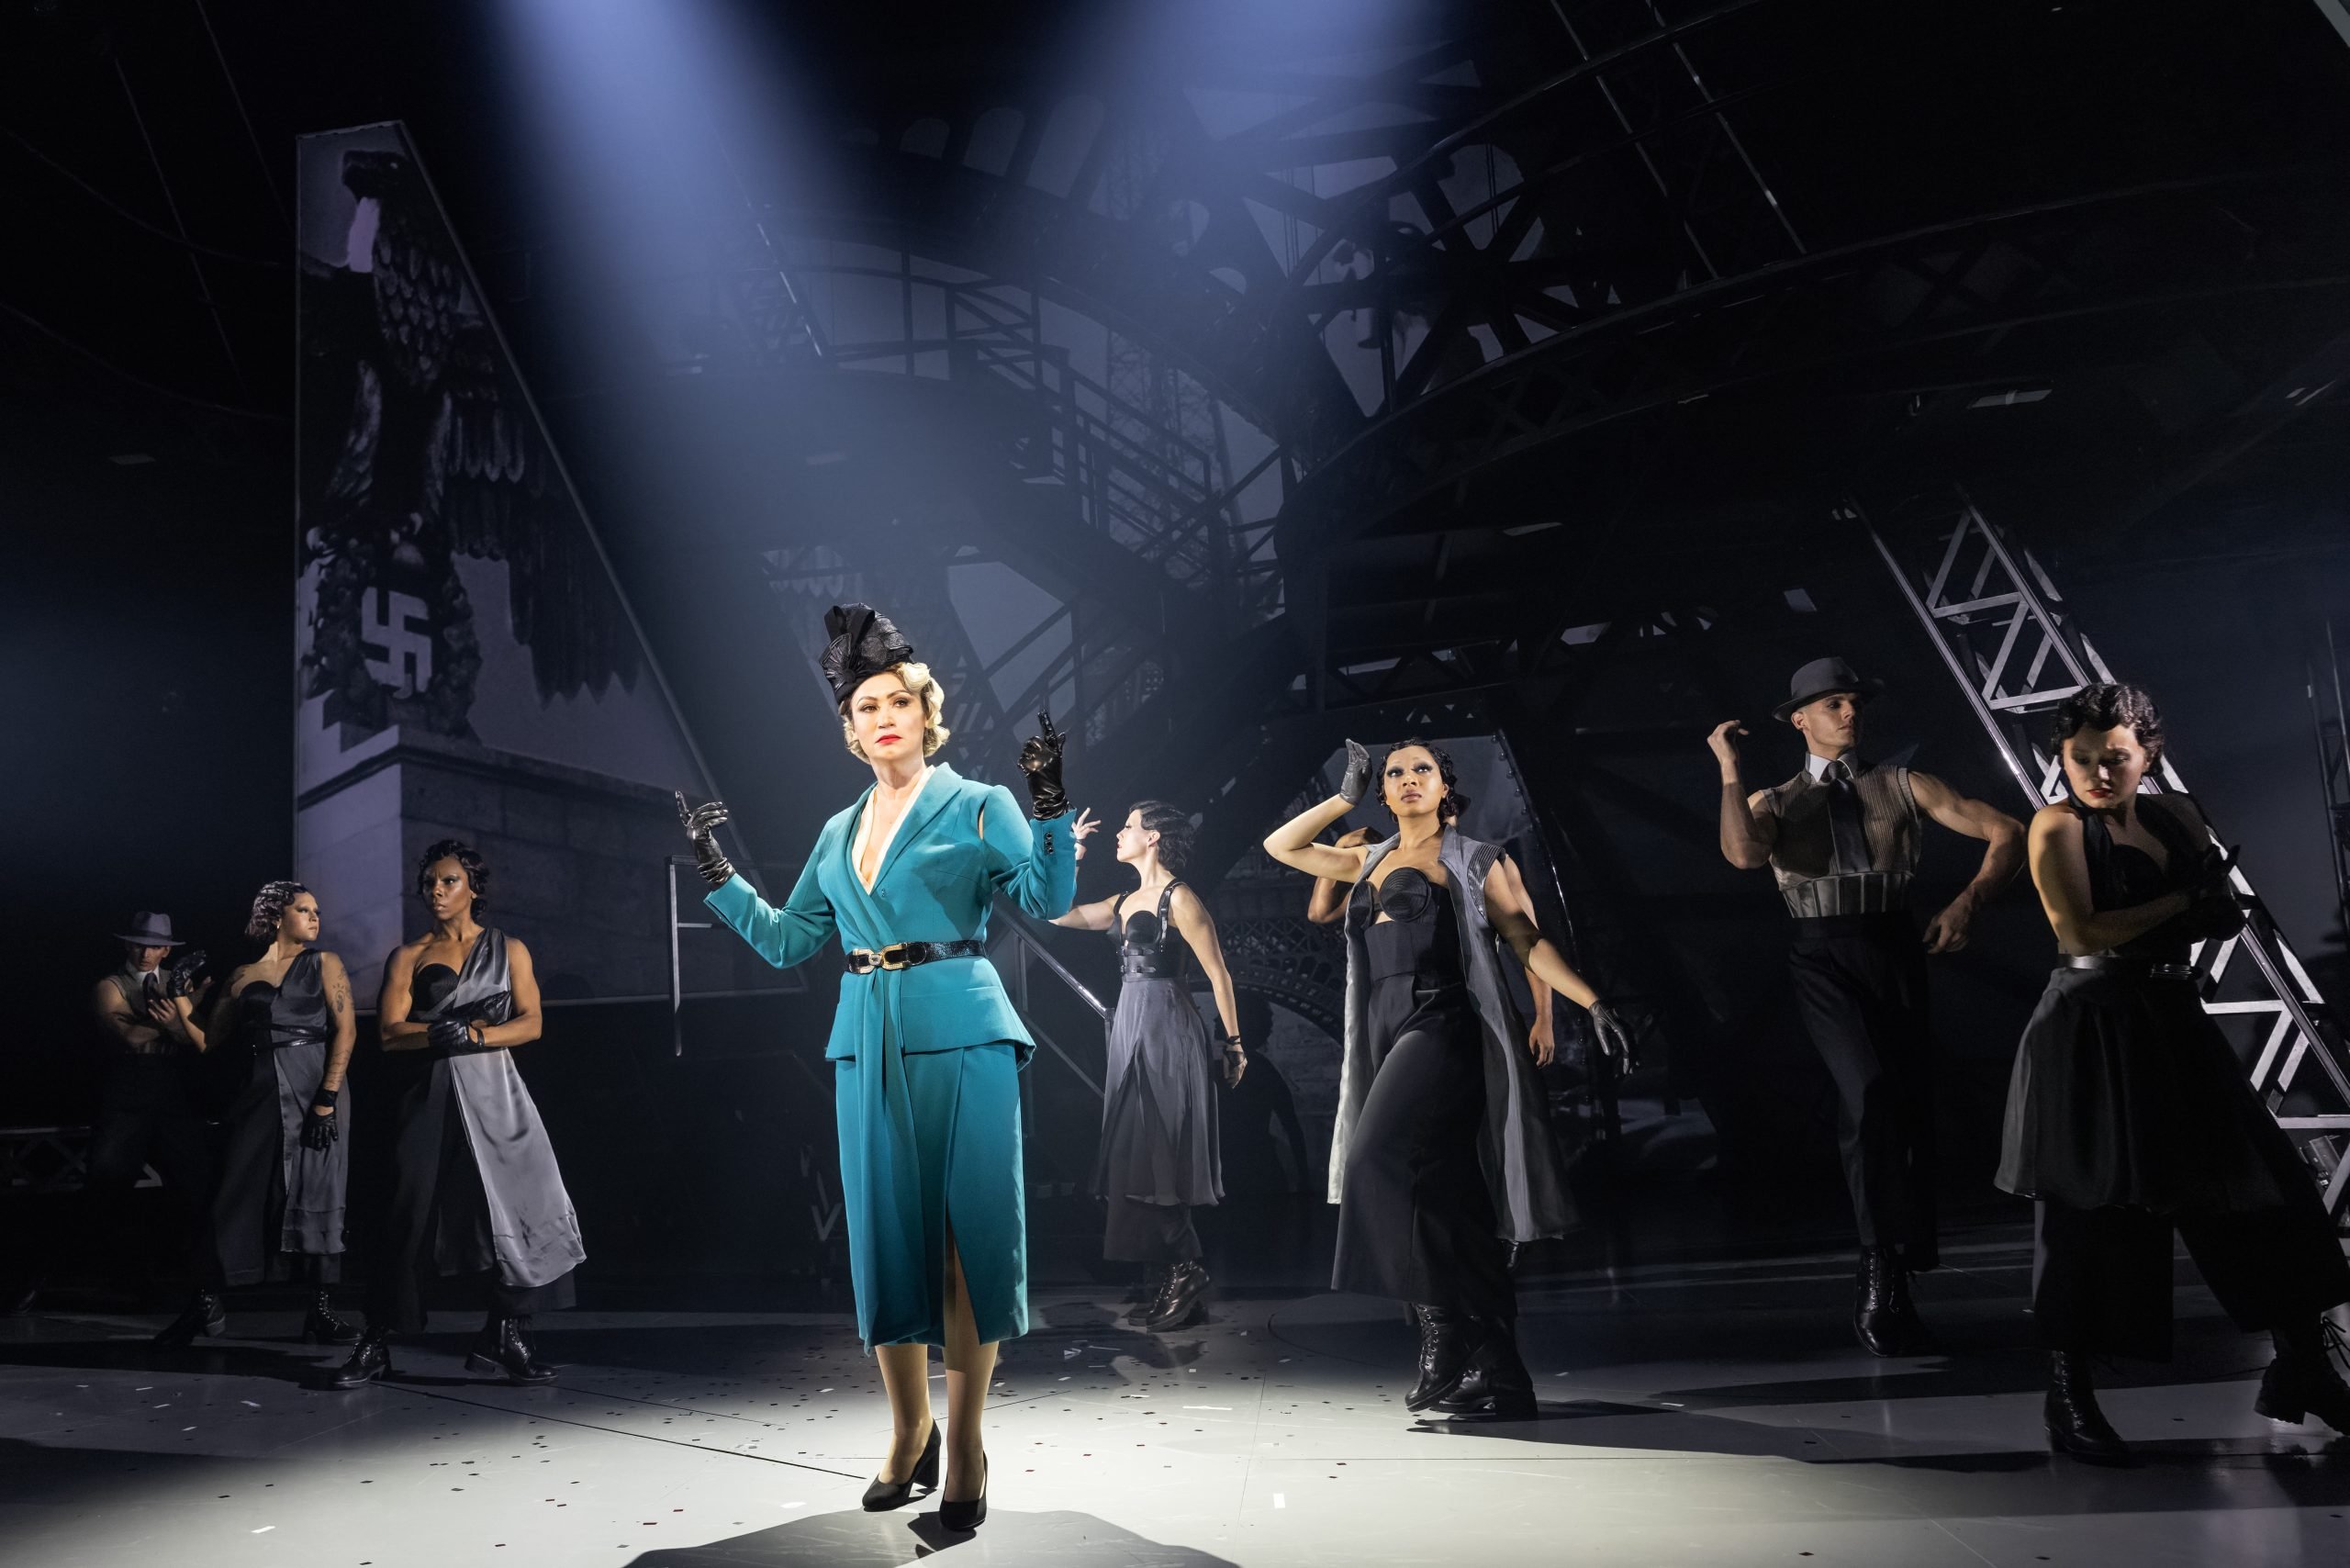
(1159,1157)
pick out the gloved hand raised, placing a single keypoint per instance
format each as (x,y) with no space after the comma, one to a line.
(700,823)
(1356,782)
(1040,761)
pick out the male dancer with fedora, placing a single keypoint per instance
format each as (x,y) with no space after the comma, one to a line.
(150,1113)
(1842,837)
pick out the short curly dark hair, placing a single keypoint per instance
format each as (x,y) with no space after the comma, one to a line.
(2110,705)
(1173,826)
(468,859)
(1454,802)
(269,908)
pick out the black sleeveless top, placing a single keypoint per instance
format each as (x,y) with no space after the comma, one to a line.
(1421,935)
(2122,876)
(292,1011)
(1144,950)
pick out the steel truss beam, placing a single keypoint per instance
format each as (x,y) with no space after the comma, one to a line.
(2008,638)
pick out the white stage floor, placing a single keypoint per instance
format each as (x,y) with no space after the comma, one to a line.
(1711,1414)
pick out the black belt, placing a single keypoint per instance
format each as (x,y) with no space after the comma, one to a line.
(905,955)
(2116,963)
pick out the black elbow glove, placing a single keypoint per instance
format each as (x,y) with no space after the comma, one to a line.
(700,823)
(1040,762)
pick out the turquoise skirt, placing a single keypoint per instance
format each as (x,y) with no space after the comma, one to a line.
(930,1140)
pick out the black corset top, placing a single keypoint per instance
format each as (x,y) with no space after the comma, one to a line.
(429,988)
(1420,936)
(1146,950)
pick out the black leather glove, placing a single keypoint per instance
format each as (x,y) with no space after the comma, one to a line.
(1609,1032)
(453,1038)
(185,974)
(700,823)
(1356,782)
(1040,761)
(318,1132)
(1235,1060)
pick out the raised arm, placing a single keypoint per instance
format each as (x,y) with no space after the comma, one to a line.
(1197,927)
(1328,900)
(1032,862)
(1094,916)
(2060,869)
(1293,844)
(793,934)
(2003,852)
(1747,833)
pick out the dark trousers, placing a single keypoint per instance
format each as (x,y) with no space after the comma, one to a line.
(1416,1222)
(149,1116)
(1138,1232)
(2101,1278)
(438,1220)
(1860,983)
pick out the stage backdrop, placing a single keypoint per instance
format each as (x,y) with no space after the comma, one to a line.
(468,667)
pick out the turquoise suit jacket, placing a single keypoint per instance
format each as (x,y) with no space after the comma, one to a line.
(935,884)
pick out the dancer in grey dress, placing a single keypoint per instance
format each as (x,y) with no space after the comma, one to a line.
(1158,1157)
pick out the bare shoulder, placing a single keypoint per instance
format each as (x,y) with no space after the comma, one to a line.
(331,963)
(517,951)
(404,957)
(1187,902)
(2056,820)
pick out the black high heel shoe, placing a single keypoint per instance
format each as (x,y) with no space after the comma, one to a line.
(966,1515)
(882,1495)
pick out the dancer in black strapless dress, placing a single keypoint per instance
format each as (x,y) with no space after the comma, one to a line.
(474,1185)
(2129,1115)
(1159,1157)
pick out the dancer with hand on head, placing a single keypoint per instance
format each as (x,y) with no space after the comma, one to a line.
(926,1045)
(1441,1161)
(1843,838)
(278,1212)
(475,1189)
(2129,1116)
(1159,1155)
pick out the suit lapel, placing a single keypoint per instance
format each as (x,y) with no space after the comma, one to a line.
(935,793)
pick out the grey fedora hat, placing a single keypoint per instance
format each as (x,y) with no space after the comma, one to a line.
(1823,677)
(150,929)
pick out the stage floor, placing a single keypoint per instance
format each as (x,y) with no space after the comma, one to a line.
(1709,1413)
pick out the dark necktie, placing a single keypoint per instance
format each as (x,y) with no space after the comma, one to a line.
(1849,838)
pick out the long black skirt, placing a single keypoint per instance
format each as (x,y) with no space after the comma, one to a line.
(2124,1092)
(249,1219)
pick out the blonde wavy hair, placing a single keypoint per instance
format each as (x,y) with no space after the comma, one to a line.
(918,679)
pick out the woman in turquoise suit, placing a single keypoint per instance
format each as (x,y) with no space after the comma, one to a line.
(926,1045)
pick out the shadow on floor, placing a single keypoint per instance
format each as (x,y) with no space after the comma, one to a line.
(858,1539)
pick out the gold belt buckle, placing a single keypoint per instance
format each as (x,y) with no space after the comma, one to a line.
(893,956)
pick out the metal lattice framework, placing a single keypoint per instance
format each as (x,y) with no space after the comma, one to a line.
(2015,650)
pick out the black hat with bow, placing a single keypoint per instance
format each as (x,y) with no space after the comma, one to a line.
(863,643)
